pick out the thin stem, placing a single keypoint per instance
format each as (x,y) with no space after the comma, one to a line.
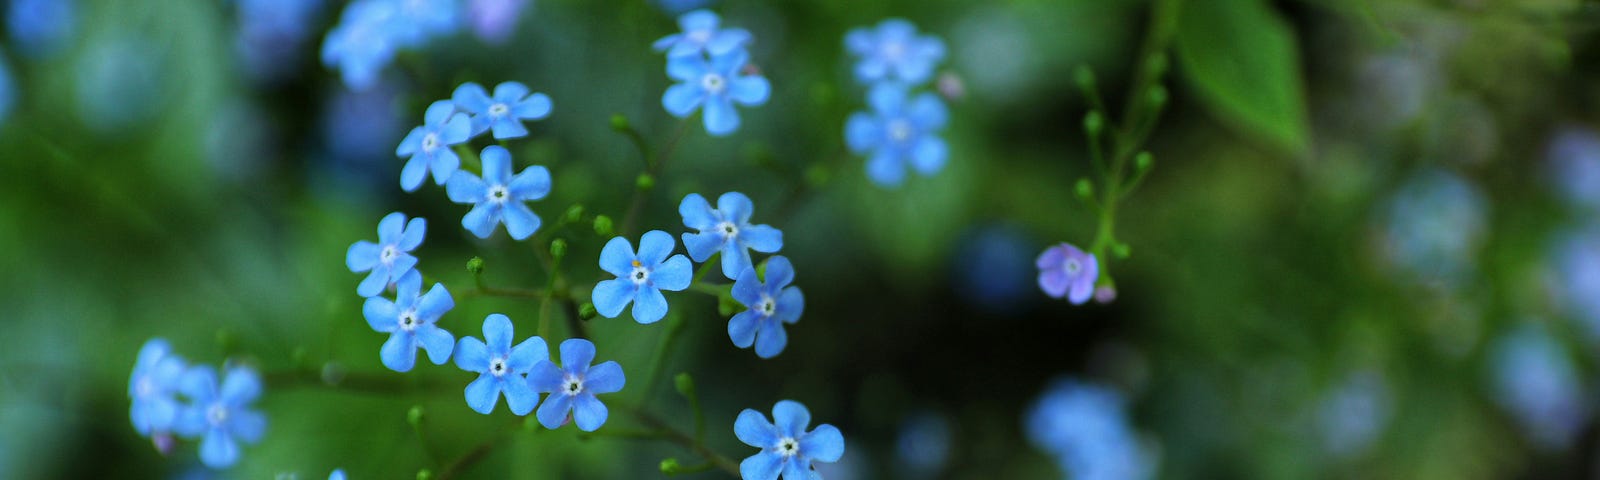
(657,364)
(506,292)
(422,441)
(706,288)
(706,267)
(625,434)
(468,156)
(683,439)
(472,456)
(653,168)
(554,269)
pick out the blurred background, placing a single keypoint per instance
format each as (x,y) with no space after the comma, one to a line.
(1369,248)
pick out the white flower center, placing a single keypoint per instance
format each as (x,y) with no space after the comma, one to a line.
(767,305)
(409,321)
(698,37)
(499,194)
(430,142)
(728,229)
(389,253)
(894,50)
(216,414)
(1072,266)
(497,366)
(146,386)
(572,386)
(713,83)
(900,130)
(640,274)
(788,447)
(498,110)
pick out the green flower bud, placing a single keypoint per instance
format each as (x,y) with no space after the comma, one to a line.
(558,248)
(644,182)
(424,474)
(1085,77)
(619,122)
(587,311)
(1157,96)
(670,466)
(1094,122)
(1143,161)
(685,385)
(574,214)
(415,415)
(1085,188)
(602,226)
(475,265)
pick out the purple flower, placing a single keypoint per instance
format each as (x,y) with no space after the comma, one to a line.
(1064,270)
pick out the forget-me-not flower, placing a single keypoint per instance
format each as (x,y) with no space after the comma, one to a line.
(498,197)
(500,366)
(1574,156)
(573,385)
(505,111)
(640,277)
(1085,427)
(1534,379)
(700,34)
(493,21)
(893,51)
(417,21)
(152,386)
(786,446)
(222,417)
(1066,271)
(390,258)
(716,84)
(770,305)
(363,42)
(1577,277)
(41,28)
(8,93)
(727,229)
(428,146)
(898,131)
(411,321)
(337,474)
(1437,222)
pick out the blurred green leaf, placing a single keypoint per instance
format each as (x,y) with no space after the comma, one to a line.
(1243,61)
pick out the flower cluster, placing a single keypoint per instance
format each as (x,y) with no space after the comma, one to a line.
(713,69)
(371,32)
(523,372)
(1085,428)
(902,127)
(172,397)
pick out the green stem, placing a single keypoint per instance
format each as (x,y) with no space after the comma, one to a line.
(724,463)
(472,456)
(505,292)
(653,168)
(657,364)
(468,156)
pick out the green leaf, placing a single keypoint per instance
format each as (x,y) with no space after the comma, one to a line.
(1242,60)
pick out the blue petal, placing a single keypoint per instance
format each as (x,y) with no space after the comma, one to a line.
(666,42)
(702,245)
(508,127)
(780,273)
(825,444)
(510,92)
(399,353)
(862,132)
(791,418)
(605,378)
(520,222)
(402,266)
(747,288)
(617,257)
(727,40)
(411,143)
(576,355)
(761,466)
(754,430)
(681,99)
(218,450)
(735,259)
(654,247)
(546,377)
(471,97)
(649,306)
(588,412)
(537,106)
(791,304)
(472,355)
(887,98)
(362,256)
(381,314)
(519,396)
(761,238)
(795,470)
(444,163)
(696,212)
(859,40)
(415,231)
(464,187)
(742,328)
(673,275)
(928,112)
(735,207)
(929,155)
(496,165)
(611,296)
(885,168)
(871,69)
(240,386)
(700,19)
(433,304)
(553,412)
(413,173)
(687,69)
(438,342)
(497,332)
(375,281)
(482,219)
(532,184)
(439,112)
(526,354)
(483,393)
(391,228)
(720,117)
(749,90)
(728,64)
(771,339)
(248,425)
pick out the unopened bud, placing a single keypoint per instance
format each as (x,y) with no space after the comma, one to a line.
(558,248)
(644,182)
(1094,122)
(475,265)
(586,311)
(1085,188)
(602,226)
(619,122)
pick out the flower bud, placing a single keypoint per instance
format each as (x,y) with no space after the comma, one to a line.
(475,265)
(558,248)
(602,226)
(619,122)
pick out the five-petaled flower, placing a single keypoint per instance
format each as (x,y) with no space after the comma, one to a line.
(363,42)
(640,277)
(221,417)
(717,84)
(894,52)
(505,111)
(770,305)
(1064,270)
(411,322)
(428,146)
(786,446)
(500,366)
(727,229)
(499,196)
(572,386)
(700,34)
(390,259)
(899,130)
(152,386)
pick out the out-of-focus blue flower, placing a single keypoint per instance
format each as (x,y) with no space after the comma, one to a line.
(8,94)
(717,84)
(898,131)
(411,321)
(120,82)
(1066,271)
(727,229)
(1354,414)
(427,147)
(640,277)
(41,28)
(924,444)
(418,21)
(894,52)
(498,197)
(993,268)
(363,42)
(221,417)
(770,305)
(700,34)
(786,446)
(272,32)
(1435,226)
(676,7)
(1574,156)
(573,385)
(500,366)
(1085,427)
(503,113)
(493,21)
(337,474)
(1577,258)
(155,380)
(390,258)
(1536,382)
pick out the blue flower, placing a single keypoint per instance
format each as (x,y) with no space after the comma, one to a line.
(728,229)
(499,196)
(1066,271)
(1577,268)
(717,84)
(786,446)
(640,278)
(1574,156)
(770,306)
(1436,224)
(1354,414)
(894,52)
(41,27)
(1085,427)
(504,112)
(363,42)
(493,21)
(428,146)
(390,258)
(1533,377)
(572,388)
(417,21)
(337,474)
(411,321)
(700,34)
(155,379)
(271,33)
(222,417)
(500,367)
(8,94)
(898,131)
